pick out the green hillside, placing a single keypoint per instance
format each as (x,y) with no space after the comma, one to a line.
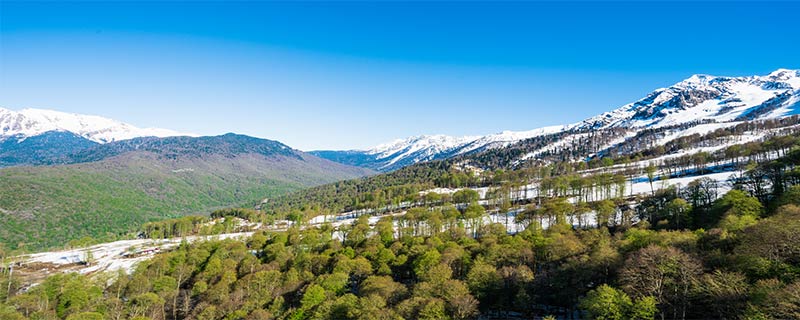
(46,206)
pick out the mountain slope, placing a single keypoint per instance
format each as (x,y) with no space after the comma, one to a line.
(700,98)
(40,137)
(46,148)
(708,98)
(115,187)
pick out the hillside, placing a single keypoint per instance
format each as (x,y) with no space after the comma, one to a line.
(561,163)
(46,148)
(118,186)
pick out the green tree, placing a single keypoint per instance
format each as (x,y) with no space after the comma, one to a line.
(557,209)
(313,296)
(474,215)
(483,280)
(425,262)
(678,212)
(466,196)
(605,210)
(644,308)
(385,230)
(76,295)
(771,247)
(607,303)
(86,316)
(434,310)
(385,287)
(10,313)
(651,176)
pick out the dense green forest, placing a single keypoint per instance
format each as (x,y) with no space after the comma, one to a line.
(688,257)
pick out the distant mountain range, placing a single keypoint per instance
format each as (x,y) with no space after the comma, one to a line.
(33,122)
(402,152)
(700,98)
(33,136)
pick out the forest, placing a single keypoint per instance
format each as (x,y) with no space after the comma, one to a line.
(680,253)
(583,246)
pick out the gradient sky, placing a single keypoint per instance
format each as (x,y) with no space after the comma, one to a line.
(352,75)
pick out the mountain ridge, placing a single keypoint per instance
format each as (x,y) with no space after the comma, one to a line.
(698,98)
(31,122)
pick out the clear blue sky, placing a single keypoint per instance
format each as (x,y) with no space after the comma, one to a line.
(351,75)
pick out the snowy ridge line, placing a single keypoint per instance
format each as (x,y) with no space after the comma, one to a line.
(430,147)
(32,122)
(722,99)
(702,99)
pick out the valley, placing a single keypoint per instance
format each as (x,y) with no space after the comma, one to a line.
(107,191)
(551,221)
(392,160)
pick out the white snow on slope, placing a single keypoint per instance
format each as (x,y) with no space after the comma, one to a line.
(111,256)
(506,138)
(698,98)
(428,147)
(701,97)
(786,75)
(33,122)
(555,145)
(421,147)
(643,186)
(700,129)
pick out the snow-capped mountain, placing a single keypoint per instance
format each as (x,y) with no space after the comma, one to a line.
(402,152)
(700,98)
(33,122)
(505,138)
(426,148)
(419,148)
(704,97)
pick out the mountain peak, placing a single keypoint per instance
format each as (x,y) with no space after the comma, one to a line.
(783,71)
(30,122)
(789,76)
(707,98)
(433,143)
(698,79)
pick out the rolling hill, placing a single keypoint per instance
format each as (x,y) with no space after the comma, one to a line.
(109,189)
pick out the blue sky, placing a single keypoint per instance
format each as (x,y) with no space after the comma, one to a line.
(328,75)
